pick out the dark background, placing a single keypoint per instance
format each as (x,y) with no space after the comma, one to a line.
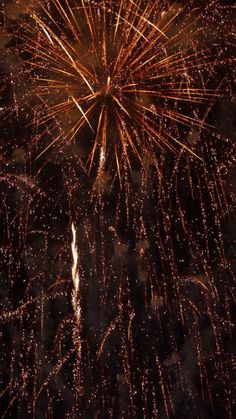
(124,274)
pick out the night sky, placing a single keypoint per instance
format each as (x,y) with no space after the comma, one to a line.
(133,316)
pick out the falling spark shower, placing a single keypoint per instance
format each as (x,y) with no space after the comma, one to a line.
(117,196)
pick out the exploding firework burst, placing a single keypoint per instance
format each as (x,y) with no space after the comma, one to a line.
(118,150)
(122,80)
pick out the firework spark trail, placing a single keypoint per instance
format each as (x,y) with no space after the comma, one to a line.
(76,304)
(75,277)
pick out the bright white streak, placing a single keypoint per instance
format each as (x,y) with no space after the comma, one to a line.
(75,277)
(81,110)
(74,269)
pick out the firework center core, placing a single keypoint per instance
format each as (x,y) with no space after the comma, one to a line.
(106,90)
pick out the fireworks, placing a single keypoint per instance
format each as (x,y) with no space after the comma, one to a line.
(121,80)
(126,314)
